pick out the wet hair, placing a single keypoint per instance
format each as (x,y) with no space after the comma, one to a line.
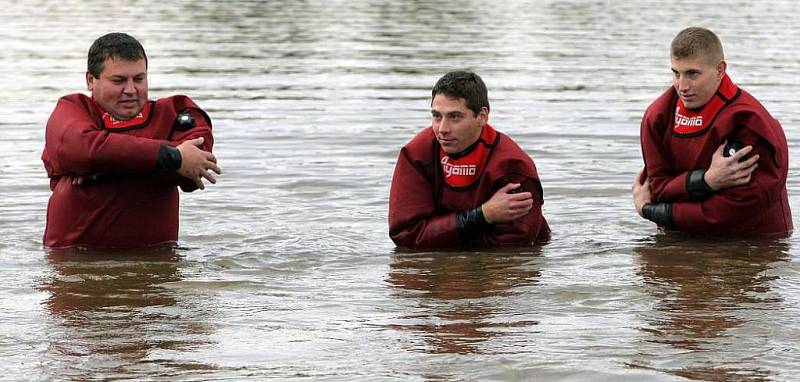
(466,85)
(697,42)
(113,45)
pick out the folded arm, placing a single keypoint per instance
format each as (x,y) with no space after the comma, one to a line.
(525,220)
(729,210)
(414,221)
(76,146)
(196,160)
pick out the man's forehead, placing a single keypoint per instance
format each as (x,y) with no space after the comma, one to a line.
(122,66)
(696,62)
(444,101)
(119,59)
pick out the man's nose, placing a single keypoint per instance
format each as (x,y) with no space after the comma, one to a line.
(129,88)
(683,83)
(444,126)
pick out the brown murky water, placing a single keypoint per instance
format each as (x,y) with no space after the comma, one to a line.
(285,270)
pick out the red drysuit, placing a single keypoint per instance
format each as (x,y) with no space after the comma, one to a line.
(676,142)
(423,202)
(123,202)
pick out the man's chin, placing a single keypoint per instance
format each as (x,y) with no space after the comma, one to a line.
(692,103)
(123,117)
(449,150)
(448,147)
(126,114)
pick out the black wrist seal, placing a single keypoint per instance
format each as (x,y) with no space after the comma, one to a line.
(659,213)
(470,222)
(169,159)
(696,186)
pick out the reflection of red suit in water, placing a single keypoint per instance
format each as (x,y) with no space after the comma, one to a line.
(670,152)
(123,202)
(423,202)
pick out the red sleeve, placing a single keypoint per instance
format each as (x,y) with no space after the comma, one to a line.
(736,209)
(413,222)
(523,230)
(666,184)
(76,146)
(202,129)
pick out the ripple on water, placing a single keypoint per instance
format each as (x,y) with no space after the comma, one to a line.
(284,268)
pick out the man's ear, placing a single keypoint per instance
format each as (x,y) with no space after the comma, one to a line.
(484,115)
(722,66)
(89,81)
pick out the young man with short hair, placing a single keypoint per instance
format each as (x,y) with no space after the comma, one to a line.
(716,161)
(460,182)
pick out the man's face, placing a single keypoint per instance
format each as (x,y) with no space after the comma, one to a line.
(456,126)
(696,79)
(122,87)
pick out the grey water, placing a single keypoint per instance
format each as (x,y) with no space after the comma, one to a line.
(284,269)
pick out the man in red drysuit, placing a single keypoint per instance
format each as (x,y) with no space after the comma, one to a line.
(115,159)
(716,161)
(460,182)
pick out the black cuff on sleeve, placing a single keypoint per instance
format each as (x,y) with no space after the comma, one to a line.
(660,213)
(169,159)
(470,222)
(696,186)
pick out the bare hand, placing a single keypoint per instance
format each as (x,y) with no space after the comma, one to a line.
(729,172)
(196,163)
(505,207)
(641,191)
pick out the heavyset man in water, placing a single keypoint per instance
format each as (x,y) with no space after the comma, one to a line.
(716,161)
(460,182)
(115,159)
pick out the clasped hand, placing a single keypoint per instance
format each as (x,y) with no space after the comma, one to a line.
(641,191)
(505,206)
(197,164)
(726,172)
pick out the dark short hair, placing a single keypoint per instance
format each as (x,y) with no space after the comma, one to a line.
(466,85)
(697,42)
(113,45)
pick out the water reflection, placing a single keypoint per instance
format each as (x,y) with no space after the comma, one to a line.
(461,299)
(113,310)
(705,290)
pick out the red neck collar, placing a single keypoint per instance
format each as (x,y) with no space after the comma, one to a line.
(695,122)
(464,168)
(111,123)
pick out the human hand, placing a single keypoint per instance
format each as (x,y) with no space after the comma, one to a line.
(641,191)
(505,206)
(726,172)
(196,163)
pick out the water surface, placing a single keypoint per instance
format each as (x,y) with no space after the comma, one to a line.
(284,268)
